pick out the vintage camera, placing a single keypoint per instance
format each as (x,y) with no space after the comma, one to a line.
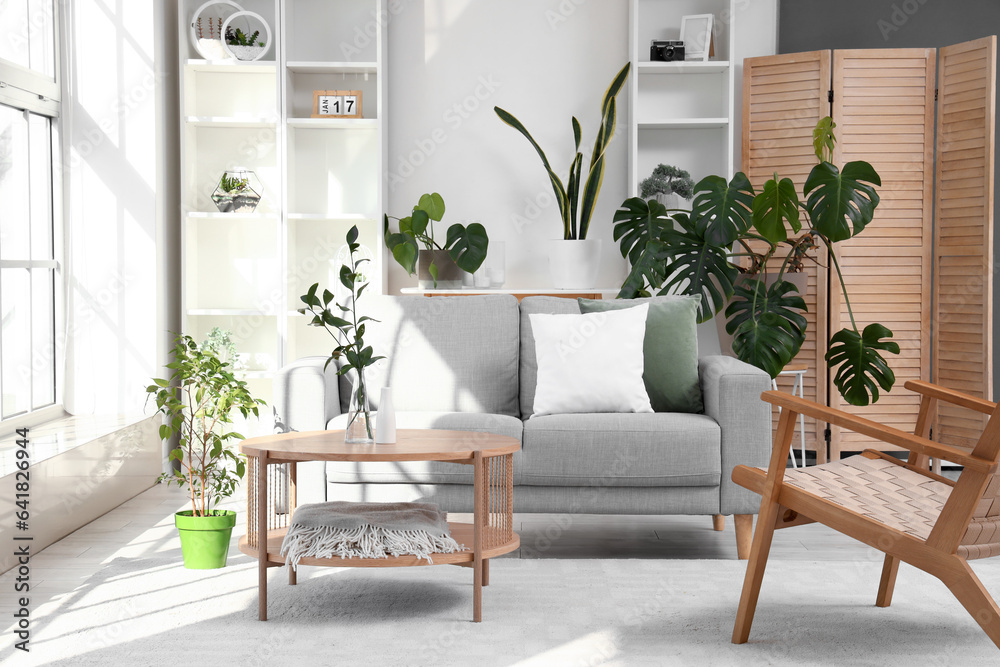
(666,50)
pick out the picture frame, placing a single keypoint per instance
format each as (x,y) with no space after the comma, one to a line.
(337,104)
(696,33)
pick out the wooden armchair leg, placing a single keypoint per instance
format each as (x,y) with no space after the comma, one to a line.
(759,551)
(976,600)
(888,583)
(718,522)
(744,534)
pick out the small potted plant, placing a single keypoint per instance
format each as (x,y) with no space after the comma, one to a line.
(197,403)
(574,260)
(234,193)
(440,265)
(243,46)
(349,335)
(667,184)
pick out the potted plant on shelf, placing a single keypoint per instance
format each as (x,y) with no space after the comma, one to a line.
(234,194)
(692,253)
(439,265)
(349,335)
(575,259)
(668,185)
(197,403)
(243,46)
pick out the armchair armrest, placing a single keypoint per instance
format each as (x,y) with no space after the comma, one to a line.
(951,396)
(305,398)
(731,391)
(878,431)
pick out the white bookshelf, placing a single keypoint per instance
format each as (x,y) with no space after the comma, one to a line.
(319,176)
(680,113)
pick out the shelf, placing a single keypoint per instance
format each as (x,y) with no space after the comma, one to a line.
(684,124)
(344,123)
(219,215)
(225,121)
(226,312)
(691,67)
(314,67)
(330,216)
(260,66)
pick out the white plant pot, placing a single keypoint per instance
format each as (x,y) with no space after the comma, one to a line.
(574,264)
(671,200)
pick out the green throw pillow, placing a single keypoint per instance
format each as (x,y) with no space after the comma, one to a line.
(670,349)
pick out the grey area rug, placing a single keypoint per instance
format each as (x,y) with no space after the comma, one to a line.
(151,611)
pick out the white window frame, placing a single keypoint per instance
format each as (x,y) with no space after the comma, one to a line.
(32,91)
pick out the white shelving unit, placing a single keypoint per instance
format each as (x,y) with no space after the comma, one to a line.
(320,176)
(680,113)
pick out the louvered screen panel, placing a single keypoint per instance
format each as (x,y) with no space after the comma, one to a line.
(883,104)
(963,254)
(784,97)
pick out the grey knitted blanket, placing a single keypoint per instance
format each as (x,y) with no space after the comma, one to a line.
(367,530)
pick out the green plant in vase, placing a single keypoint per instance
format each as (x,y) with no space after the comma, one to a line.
(699,252)
(197,403)
(351,352)
(667,180)
(464,247)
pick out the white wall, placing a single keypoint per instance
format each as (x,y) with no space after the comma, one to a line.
(110,170)
(452,61)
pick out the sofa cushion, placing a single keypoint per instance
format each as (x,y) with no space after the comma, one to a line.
(425,472)
(443,354)
(641,449)
(670,349)
(528,361)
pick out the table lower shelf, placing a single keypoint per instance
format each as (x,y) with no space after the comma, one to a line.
(462,532)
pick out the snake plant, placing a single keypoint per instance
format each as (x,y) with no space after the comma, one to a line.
(571,198)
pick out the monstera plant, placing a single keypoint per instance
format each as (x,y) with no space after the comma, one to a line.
(705,252)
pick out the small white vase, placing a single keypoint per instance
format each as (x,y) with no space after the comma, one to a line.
(385,419)
(574,264)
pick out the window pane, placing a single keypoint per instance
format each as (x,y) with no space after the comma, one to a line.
(13,184)
(15,341)
(40,165)
(41,36)
(43,338)
(14,31)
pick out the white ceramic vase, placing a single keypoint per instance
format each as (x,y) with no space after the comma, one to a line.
(385,419)
(574,264)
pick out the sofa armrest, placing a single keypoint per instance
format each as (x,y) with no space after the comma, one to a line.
(731,390)
(305,398)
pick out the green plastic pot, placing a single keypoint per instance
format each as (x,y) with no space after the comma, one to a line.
(205,539)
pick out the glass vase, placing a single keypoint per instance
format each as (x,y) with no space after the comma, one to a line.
(360,422)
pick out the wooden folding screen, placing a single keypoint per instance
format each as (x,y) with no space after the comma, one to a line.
(883,102)
(963,247)
(783,99)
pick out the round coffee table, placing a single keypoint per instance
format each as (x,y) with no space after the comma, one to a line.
(491,532)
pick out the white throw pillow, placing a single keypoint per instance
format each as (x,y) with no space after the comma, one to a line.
(590,363)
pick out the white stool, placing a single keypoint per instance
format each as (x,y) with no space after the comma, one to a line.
(799,371)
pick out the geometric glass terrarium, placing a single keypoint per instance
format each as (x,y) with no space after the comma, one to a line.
(238,191)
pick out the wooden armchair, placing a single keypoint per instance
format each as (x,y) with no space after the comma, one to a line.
(899,508)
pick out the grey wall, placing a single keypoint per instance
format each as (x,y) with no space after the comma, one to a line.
(810,25)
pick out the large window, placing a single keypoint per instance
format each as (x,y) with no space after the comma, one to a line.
(30,272)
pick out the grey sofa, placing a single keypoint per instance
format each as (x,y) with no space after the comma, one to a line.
(468,363)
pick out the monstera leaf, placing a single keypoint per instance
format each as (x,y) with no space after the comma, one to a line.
(767,324)
(722,211)
(776,204)
(694,265)
(824,139)
(841,203)
(862,369)
(637,223)
(467,246)
(402,246)
(647,269)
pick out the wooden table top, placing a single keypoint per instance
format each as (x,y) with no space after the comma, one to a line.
(410,445)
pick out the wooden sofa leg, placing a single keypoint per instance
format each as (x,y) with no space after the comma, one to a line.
(744,534)
(976,600)
(718,522)
(888,583)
